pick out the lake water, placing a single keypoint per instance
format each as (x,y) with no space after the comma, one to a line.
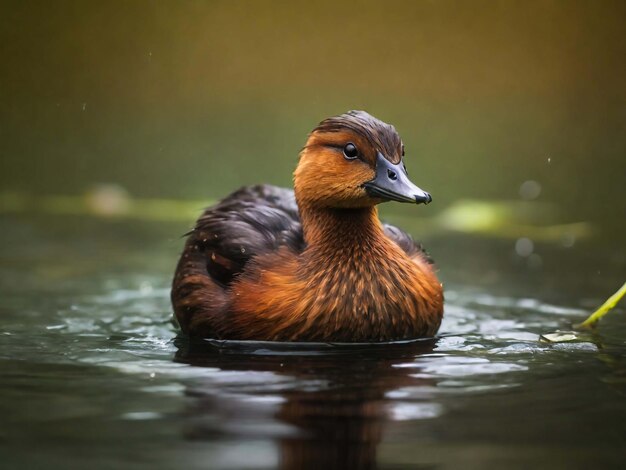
(93,375)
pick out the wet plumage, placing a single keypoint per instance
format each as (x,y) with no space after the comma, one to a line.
(266,263)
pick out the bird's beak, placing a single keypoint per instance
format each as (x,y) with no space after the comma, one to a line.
(393,184)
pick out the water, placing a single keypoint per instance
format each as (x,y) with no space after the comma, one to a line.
(93,375)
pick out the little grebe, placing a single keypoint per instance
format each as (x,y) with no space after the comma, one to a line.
(316,263)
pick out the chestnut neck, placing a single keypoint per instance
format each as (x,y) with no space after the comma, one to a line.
(340,231)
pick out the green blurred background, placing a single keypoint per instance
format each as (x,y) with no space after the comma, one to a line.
(192,99)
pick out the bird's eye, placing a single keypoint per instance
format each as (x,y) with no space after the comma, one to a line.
(350,151)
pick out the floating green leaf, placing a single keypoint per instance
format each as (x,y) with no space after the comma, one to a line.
(559,337)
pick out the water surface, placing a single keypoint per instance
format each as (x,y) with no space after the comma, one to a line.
(94,376)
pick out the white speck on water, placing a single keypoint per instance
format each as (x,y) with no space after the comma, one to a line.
(141,415)
(152,375)
(530,190)
(145,288)
(84,107)
(406,411)
(524,247)
(549,159)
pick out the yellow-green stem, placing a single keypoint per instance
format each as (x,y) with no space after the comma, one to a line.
(604,309)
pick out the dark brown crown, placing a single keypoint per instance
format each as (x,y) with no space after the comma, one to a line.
(382,136)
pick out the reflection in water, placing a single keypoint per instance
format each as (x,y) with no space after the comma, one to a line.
(334,413)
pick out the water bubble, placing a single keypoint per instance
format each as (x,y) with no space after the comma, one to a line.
(530,190)
(524,247)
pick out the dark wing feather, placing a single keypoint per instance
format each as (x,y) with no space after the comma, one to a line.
(406,242)
(252,221)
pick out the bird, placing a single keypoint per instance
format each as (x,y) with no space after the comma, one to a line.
(313,264)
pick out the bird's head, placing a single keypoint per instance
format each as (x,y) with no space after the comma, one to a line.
(353,161)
